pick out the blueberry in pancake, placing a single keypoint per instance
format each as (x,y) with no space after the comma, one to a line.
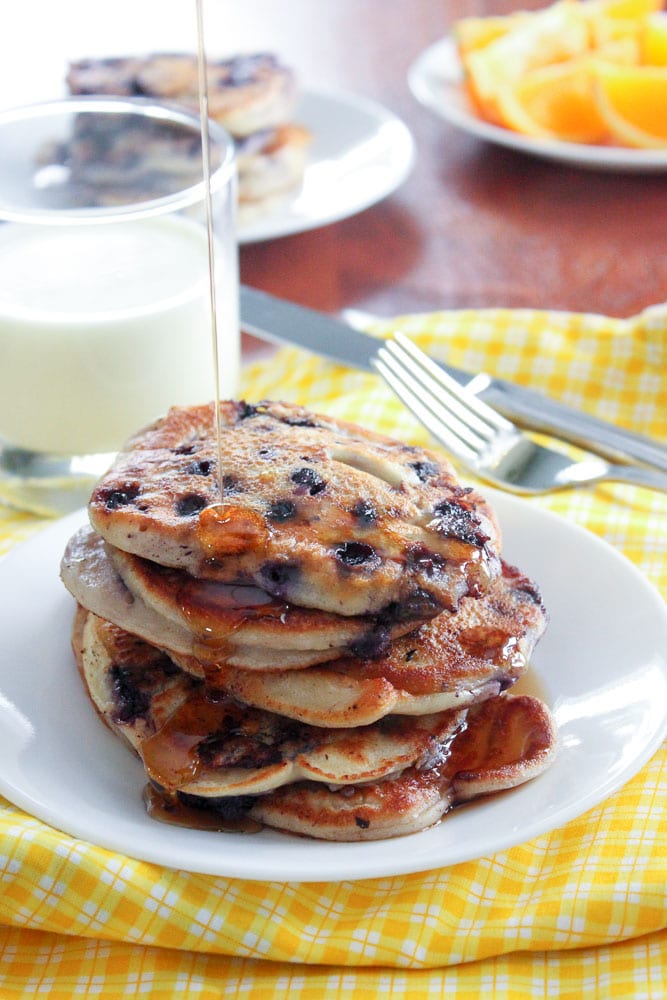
(316,511)
(133,686)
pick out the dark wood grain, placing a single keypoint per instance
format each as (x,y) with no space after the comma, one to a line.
(474,225)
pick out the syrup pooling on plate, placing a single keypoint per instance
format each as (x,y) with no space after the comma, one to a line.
(167,807)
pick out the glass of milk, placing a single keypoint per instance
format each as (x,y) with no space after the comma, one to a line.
(105,290)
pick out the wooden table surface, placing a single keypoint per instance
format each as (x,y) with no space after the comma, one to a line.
(474,225)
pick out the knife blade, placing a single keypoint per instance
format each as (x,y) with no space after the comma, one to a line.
(280,321)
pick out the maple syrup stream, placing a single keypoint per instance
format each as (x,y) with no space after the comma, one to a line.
(206,170)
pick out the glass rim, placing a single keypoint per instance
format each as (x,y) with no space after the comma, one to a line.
(143,107)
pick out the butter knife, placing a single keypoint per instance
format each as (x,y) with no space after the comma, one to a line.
(279,321)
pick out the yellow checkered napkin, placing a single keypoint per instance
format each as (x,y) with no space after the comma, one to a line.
(578,912)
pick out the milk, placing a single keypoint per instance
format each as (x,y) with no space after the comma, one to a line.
(103,327)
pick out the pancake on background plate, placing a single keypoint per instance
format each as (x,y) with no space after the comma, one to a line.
(251,95)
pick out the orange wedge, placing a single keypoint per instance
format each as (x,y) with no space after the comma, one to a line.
(556,102)
(619,22)
(627,10)
(617,33)
(654,40)
(633,101)
(475,32)
(554,34)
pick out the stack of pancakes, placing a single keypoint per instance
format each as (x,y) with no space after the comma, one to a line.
(304,623)
(252,96)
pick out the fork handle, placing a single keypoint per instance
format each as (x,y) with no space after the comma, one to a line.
(639,475)
(538,412)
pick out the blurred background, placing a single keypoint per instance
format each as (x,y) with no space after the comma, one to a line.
(474,224)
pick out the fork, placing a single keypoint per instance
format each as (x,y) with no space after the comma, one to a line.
(485,442)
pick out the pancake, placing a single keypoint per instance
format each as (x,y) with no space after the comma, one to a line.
(316,511)
(116,161)
(197,744)
(220,614)
(252,96)
(133,686)
(210,624)
(363,783)
(245,92)
(452,661)
(271,165)
(506,742)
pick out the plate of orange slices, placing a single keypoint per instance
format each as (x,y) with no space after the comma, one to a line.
(580,81)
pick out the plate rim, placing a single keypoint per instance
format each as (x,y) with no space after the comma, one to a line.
(439,62)
(350,861)
(283,222)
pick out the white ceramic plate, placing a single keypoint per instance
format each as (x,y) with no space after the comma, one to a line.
(602,667)
(435,79)
(360,153)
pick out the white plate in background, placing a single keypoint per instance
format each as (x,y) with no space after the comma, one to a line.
(360,153)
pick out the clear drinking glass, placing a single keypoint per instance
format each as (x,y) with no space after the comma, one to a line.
(105,294)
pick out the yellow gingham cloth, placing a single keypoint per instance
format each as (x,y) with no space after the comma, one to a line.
(578,912)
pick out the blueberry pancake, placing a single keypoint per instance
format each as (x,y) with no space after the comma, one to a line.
(246,93)
(211,625)
(123,162)
(271,164)
(363,783)
(316,511)
(221,614)
(504,742)
(212,745)
(251,96)
(450,662)
(216,756)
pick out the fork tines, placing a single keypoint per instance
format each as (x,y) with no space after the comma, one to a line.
(454,415)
